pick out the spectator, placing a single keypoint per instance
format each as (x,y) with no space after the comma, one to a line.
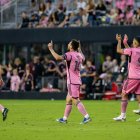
(84,17)
(123,65)
(97,85)
(61,73)
(15,81)
(51,21)
(51,68)
(43,21)
(108,81)
(25,20)
(27,80)
(101,8)
(83,73)
(9,72)
(112,15)
(129,15)
(107,65)
(90,73)
(115,66)
(130,3)
(49,8)
(61,70)
(42,8)
(121,4)
(119,17)
(74,13)
(136,18)
(37,71)
(59,14)
(34,20)
(19,66)
(89,9)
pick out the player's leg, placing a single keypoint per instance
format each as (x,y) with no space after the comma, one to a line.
(67,111)
(138,97)
(4,112)
(68,107)
(130,86)
(82,110)
(137,111)
(75,90)
(124,103)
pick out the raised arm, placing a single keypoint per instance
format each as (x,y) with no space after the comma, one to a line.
(125,41)
(119,39)
(55,55)
(80,51)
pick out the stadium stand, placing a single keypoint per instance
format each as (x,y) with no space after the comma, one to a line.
(42,73)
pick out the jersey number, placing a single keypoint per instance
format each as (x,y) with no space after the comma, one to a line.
(77,66)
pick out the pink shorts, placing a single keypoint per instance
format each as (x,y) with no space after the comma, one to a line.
(131,86)
(74,90)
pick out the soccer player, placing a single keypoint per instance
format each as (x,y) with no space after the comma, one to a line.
(137,111)
(74,58)
(2,109)
(132,83)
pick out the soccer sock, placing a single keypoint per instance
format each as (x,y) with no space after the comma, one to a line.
(123,107)
(1,108)
(67,111)
(82,109)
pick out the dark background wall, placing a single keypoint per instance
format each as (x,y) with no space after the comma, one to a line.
(94,34)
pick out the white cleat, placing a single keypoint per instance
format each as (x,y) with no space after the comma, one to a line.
(136,111)
(119,118)
(138,120)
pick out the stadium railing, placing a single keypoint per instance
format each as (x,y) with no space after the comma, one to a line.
(8,14)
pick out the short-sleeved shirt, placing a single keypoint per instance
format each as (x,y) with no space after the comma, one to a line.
(134,62)
(73,63)
(28,82)
(91,69)
(62,67)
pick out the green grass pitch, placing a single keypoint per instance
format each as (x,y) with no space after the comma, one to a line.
(35,120)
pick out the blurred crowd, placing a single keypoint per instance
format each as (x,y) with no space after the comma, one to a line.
(20,76)
(80,13)
(3,2)
(45,75)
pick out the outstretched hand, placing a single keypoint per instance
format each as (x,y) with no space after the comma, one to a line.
(50,45)
(125,37)
(118,37)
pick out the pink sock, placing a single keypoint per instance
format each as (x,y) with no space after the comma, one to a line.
(1,107)
(82,109)
(67,110)
(124,106)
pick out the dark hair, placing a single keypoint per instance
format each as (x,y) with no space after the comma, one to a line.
(75,44)
(138,38)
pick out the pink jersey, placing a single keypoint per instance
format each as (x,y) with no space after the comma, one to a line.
(15,81)
(134,64)
(130,2)
(73,63)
